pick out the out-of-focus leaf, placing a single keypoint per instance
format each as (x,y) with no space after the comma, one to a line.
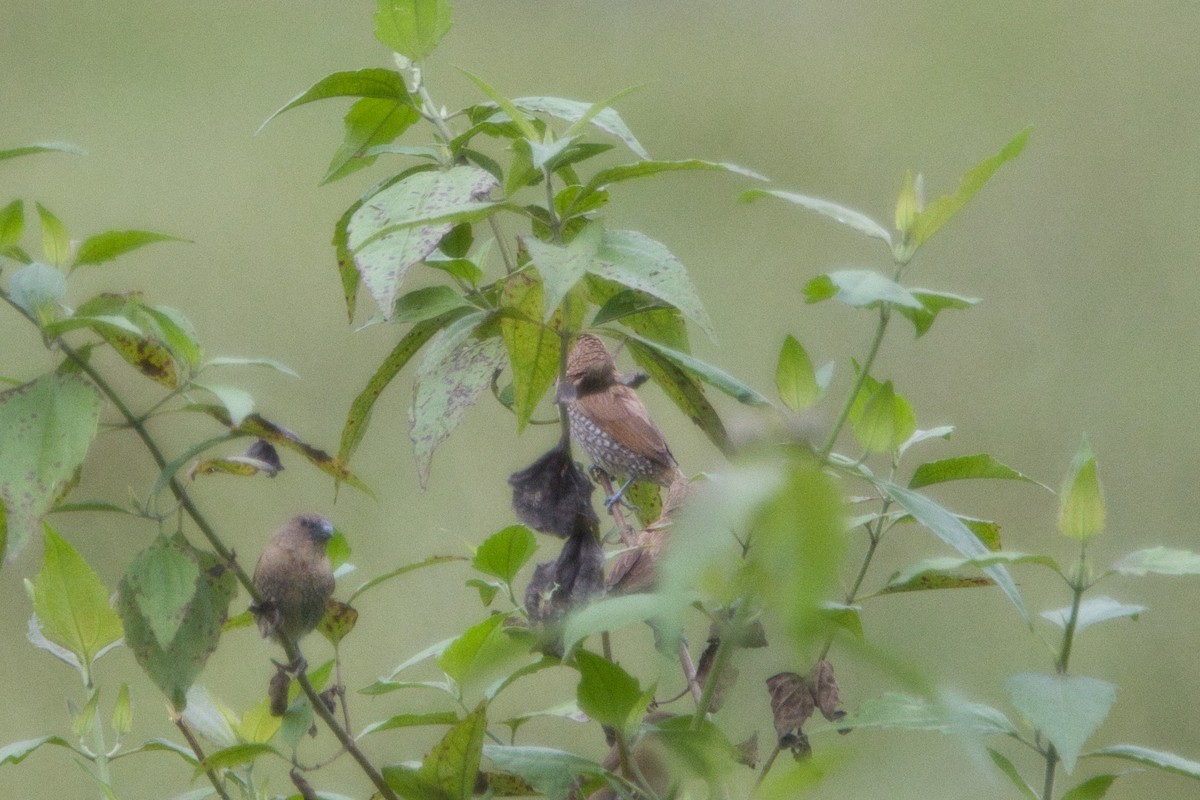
(1092,611)
(844,616)
(893,710)
(122,714)
(504,553)
(403,223)
(411,721)
(111,244)
(607,693)
(234,756)
(370,122)
(846,216)
(17,752)
(643,169)
(426,304)
(238,402)
(1010,771)
(964,468)
(41,147)
(638,262)
(610,614)
(884,421)
(933,303)
(12,224)
(72,603)
(39,289)
(1081,509)
(56,242)
(553,773)
(45,429)
(412,28)
(233,361)
(860,288)
(1066,709)
(939,212)
(940,432)
(446,385)
(1159,561)
(1151,758)
(1093,788)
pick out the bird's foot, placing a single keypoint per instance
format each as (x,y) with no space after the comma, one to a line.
(294,668)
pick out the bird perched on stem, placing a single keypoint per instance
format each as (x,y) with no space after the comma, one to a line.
(610,421)
(294,577)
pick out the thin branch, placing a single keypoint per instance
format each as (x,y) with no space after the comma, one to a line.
(194,743)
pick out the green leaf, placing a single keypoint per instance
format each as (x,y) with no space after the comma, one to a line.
(1092,611)
(72,603)
(949,716)
(164,579)
(459,659)
(534,349)
(504,552)
(369,123)
(412,28)
(1067,709)
(610,614)
(41,147)
(107,246)
(258,725)
(635,260)
(643,169)
(39,289)
(951,530)
(606,119)
(933,303)
(909,576)
(236,361)
(794,377)
(607,693)
(1012,774)
(526,128)
(1160,561)
(358,418)
(410,721)
(175,666)
(843,616)
(656,320)
(1151,758)
(884,421)
(939,212)
(846,216)
(684,391)
(562,266)
(122,714)
(378,83)
(177,333)
(17,752)
(940,432)
(713,376)
(403,223)
(395,573)
(425,304)
(235,756)
(56,242)
(453,764)
(553,773)
(12,224)
(238,402)
(410,785)
(859,288)
(1081,509)
(45,429)
(446,385)
(981,466)
(1092,789)
(909,204)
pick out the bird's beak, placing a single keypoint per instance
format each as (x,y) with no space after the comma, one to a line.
(325,529)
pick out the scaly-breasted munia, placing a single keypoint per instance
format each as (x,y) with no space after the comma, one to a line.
(610,421)
(294,577)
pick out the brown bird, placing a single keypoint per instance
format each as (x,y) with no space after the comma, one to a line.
(294,577)
(610,421)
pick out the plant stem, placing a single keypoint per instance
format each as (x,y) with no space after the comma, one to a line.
(720,661)
(885,310)
(1078,587)
(766,767)
(194,743)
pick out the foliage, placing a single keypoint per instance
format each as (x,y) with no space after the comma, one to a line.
(768,536)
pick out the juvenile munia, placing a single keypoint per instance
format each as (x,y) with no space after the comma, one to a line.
(610,421)
(294,577)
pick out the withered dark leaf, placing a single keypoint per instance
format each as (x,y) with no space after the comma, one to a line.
(338,621)
(277,692)
(553,495)
(572,579)
(636,569)
(748,751)
(264,451)
(825,690)
(791,705)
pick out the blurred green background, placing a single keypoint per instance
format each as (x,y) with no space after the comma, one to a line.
(1083,250)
